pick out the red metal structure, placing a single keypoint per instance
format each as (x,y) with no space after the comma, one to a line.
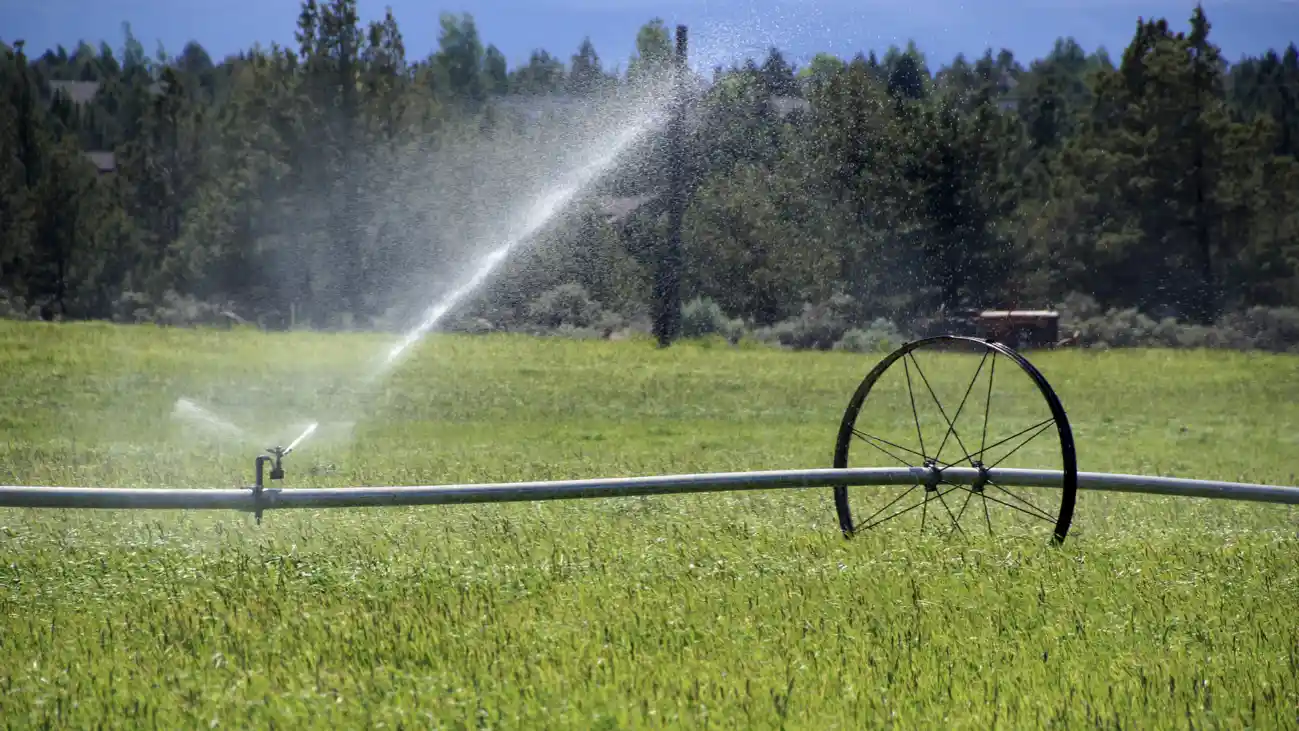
(1020,328)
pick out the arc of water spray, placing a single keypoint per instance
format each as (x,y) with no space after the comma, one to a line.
(187,408)
(440,309)
(539,214)
(311,429)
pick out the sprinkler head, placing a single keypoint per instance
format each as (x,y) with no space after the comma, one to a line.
(277,454)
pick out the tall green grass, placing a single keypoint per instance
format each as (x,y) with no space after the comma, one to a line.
(740,610)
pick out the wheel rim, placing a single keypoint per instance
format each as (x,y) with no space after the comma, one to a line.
(899,430)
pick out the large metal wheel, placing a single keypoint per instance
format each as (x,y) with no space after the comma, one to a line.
(909,409)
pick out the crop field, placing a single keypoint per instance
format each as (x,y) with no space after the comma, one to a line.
(727,610)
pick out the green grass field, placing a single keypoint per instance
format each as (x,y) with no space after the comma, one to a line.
(740,610)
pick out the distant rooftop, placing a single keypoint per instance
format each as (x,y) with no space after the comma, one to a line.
(79,92)
(535,104)
(617,209)
(83,92)
(784,106)
(1005,314)
(103,161)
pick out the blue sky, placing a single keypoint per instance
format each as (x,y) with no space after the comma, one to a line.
(720,29)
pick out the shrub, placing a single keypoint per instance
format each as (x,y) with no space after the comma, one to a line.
(12,307)
(1078,307)
(1257,328)
(175,310)
(471,326)
(1265,328)
(881,336)
(702,317)
(567,304)
(818,327)
(1117,328)
(577,333)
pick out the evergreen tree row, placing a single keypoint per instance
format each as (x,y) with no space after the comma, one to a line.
(346,183)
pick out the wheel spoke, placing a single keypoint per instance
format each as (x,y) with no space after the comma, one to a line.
(901,512)
(1027,502)
(987,406)
(1035,435)
(986,496)
(951,427)
(911,392)
(964,505)
(1040,426)
(892,502)
(868,437)
(956,524)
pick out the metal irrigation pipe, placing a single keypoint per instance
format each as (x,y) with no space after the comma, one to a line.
(257,498)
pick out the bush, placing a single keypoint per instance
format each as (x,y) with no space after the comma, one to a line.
(577,333)
(1117,328)
(1258,328)
(471,326)
(702,317)
(13,307)
(1275,329)
(609,322)
(819,327)
(1078,307)
(175,310)
(881,337)
(1201,336)
(567,304)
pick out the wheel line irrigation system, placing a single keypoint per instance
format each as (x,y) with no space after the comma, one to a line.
(931,475)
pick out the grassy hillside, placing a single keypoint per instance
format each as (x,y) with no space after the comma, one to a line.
(743,610)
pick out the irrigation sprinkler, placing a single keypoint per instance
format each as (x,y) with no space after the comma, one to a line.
(922,473)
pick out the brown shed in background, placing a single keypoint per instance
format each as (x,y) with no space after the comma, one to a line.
(1020,328)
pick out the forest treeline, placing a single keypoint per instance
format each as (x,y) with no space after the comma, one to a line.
(342,182)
